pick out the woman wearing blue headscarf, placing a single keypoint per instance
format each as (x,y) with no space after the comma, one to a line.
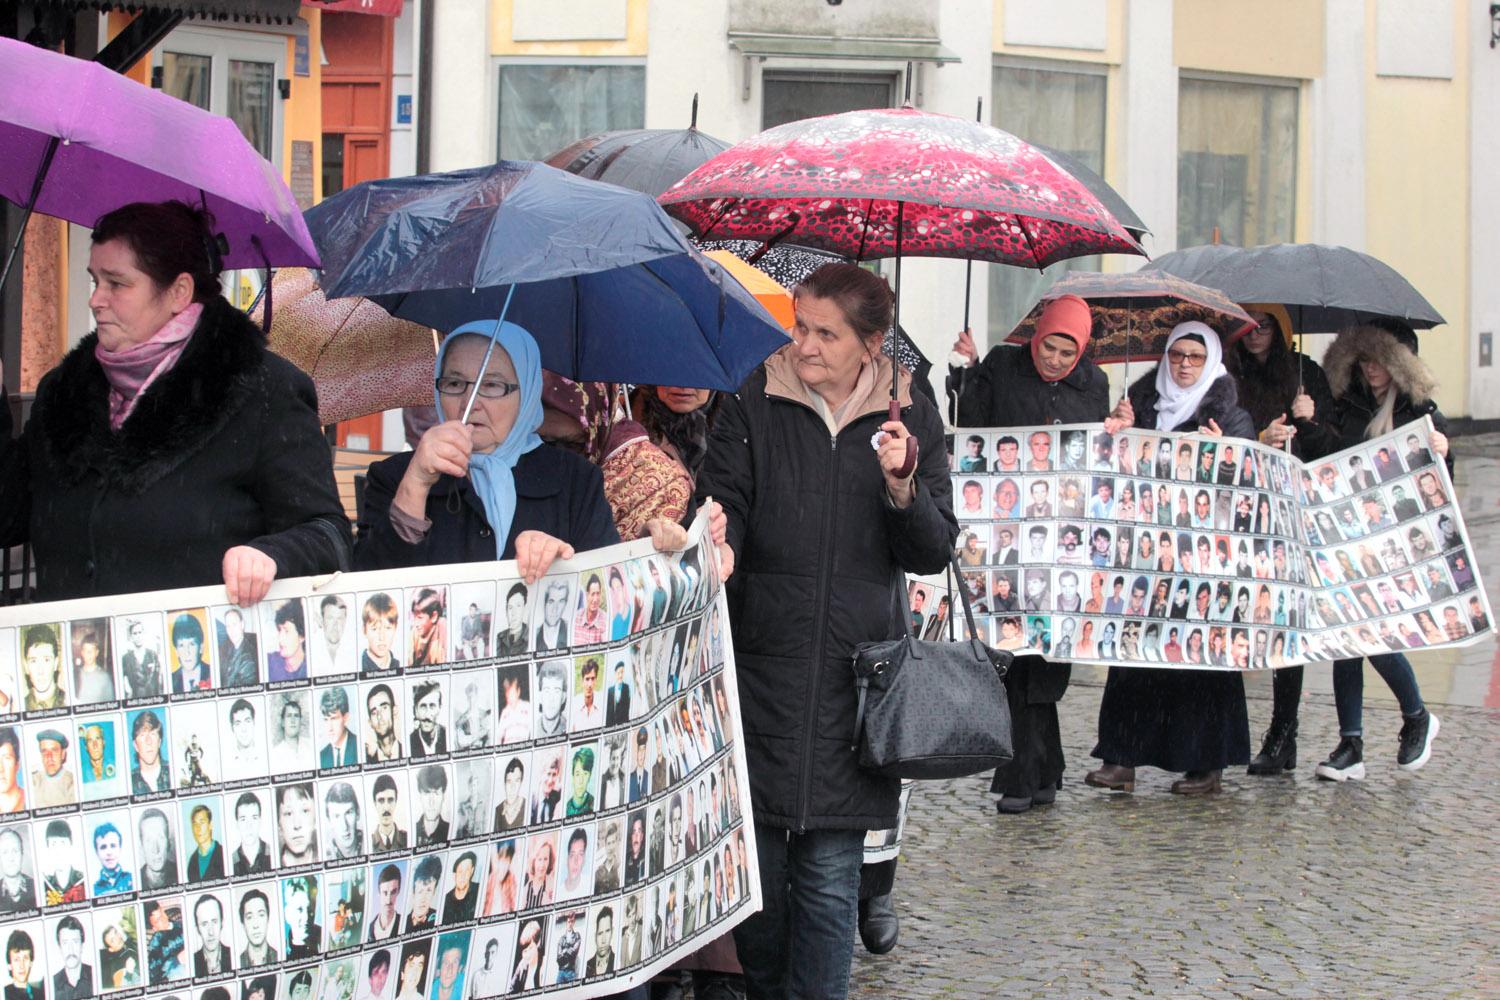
(489,487)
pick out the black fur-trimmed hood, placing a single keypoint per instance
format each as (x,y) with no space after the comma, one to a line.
(1408,372)
(220,371)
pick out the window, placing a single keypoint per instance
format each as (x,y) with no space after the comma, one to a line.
(1062,109)
(232,73)
(791,96)
(1236,162)
(546,106)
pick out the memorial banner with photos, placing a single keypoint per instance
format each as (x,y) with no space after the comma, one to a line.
(425,784)
(1162,549)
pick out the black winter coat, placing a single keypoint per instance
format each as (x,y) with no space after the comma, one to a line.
(818,552)
(557,492)
(1353,413)
(1004,390)
(224,449)
(1220,403)
(1267,392)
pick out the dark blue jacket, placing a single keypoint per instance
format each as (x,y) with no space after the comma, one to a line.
(557,492)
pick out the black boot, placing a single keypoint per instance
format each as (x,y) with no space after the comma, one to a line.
(878,924)
(1279,751)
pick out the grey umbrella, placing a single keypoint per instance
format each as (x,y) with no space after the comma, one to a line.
(1108,196)
(1324,288)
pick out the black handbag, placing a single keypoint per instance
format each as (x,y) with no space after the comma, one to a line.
(931,709)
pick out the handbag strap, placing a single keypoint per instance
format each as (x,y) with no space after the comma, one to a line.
(963,594)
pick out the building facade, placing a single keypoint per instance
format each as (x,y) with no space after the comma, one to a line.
(1354,122)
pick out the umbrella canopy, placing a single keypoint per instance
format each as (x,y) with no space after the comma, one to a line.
(888,182)
(85,140)
(1324,288)
(361,358)
(601,277)
(649,160)
(776,299)
(1134,312)
(1108,196)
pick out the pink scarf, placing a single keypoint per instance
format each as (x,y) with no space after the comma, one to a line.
(132,370)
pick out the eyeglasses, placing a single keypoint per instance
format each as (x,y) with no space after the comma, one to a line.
(1177,357)
(490,388)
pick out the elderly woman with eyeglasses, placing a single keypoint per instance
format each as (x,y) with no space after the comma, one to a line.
(487,487)
(1177,719)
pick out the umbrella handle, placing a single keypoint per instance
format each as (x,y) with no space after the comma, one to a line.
(910,462)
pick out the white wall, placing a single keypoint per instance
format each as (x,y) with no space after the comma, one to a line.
(404,63)
(1337,131)
(1484,211)
(1148,182)
(463,101)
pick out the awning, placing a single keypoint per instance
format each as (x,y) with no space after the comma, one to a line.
(272,11)
(758,46)
(382,8)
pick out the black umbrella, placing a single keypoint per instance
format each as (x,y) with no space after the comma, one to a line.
(1324,288)
(643,159)
(1107,195)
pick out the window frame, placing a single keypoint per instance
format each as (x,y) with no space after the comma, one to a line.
(221,46)
(1099,71)
(823,74)
(498,63)
(1296,85)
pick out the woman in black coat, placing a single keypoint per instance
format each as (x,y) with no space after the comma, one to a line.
(805,462)
(1380,384)
(1192,721)
(170,448)
(1048,381)
(1287,396)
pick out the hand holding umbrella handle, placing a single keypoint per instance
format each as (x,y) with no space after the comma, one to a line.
(911,445)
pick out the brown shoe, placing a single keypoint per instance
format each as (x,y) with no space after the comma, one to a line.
(1198,783)
(1112,776)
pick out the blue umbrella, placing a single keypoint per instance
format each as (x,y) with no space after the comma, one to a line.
(599,275)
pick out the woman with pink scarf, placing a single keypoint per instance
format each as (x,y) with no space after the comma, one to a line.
(169,448)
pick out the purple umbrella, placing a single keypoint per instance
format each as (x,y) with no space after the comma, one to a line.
(78,140)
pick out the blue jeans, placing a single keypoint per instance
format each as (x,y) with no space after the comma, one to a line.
(801,943)
(1349,689)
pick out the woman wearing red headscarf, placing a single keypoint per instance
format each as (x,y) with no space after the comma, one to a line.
(1048,381)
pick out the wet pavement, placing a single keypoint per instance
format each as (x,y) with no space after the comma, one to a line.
(1283,886)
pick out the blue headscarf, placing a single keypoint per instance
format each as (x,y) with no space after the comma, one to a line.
(492,475)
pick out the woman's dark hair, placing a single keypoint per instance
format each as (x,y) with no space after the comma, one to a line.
(1265,390)
(168,238)
(862,296)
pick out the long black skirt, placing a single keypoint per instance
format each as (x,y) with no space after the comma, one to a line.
(1177,720)
(1032,690)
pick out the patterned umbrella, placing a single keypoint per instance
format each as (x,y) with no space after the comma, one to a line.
(892,182)
(1134,312)
(361,358)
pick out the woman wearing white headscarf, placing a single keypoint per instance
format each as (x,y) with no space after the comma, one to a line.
(1193,721)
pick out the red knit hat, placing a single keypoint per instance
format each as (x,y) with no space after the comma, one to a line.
(1069,316)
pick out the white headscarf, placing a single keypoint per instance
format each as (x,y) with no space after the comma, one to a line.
(1178,404)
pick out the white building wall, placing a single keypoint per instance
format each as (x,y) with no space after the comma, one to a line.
(1484,213)
(404,62)
(463,103)
(1148,182)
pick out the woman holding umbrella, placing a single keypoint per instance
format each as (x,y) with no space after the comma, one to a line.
(488,487)
(1379,384)
(1180,719)
(1288,399)
(170,448)
(1048,381)
(807,465)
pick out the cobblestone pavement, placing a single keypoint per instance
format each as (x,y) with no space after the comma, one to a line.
(1281,886)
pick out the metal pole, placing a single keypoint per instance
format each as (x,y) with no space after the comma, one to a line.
(488,351)
(36,191)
